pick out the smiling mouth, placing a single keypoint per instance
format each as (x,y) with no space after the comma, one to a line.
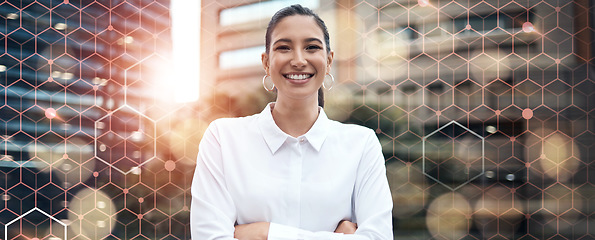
(298,76)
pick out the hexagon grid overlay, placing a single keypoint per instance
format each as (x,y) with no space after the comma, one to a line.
(483,108)
(453,155)
(79,125)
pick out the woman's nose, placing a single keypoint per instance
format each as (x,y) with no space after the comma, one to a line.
(298,60)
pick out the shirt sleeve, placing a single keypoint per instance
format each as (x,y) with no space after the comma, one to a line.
(373,202)
(212,211)
(372,205)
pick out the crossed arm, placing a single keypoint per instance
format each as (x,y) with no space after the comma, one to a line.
(260,230)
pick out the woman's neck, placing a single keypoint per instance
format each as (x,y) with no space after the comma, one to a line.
(295,117)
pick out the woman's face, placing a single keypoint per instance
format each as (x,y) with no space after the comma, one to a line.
(297,60)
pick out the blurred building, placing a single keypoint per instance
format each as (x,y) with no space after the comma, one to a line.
(484,108)
(79,114)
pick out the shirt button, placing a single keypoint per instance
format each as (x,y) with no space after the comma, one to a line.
(302,140)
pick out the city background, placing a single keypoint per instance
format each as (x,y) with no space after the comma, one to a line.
(484,109)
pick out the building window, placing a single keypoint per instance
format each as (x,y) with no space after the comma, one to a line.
(244,57)
(258,11)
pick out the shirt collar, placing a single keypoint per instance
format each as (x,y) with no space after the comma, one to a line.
(275,137)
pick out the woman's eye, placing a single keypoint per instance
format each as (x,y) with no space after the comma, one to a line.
(313,47)
(282,48)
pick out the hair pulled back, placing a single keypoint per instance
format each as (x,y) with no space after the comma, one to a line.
(292,10)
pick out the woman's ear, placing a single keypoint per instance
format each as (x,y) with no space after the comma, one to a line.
(265,62)
(329,61)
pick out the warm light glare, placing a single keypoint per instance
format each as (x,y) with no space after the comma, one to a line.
(528,27)
(423,3)
(186,48)
(50,113)
(184,138)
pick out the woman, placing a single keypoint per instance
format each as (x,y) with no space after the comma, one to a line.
(290,172)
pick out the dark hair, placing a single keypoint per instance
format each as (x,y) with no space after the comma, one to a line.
(304,11)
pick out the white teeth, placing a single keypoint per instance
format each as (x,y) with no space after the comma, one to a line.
(298,76)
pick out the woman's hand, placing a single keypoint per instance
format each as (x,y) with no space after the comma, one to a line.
(346,227)
(252,231)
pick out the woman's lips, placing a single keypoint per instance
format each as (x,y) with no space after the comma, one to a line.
(298,78)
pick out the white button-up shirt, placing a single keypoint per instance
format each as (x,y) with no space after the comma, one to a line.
(248,170)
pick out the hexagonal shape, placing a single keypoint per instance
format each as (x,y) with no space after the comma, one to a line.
(25,222)
(452,157)
(127,134)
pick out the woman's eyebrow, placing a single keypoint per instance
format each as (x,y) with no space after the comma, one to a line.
(313,39)
(286,40)
(282,40)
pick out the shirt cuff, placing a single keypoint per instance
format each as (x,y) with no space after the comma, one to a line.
(283,232)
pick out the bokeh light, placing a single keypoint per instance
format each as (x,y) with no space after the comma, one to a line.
(407,188)
(449,216)
(499,213)
(486,66)
(90,214)
(559,159)
(556,156)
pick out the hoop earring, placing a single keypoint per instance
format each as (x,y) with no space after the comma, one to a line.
(332,81)
(264,84)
